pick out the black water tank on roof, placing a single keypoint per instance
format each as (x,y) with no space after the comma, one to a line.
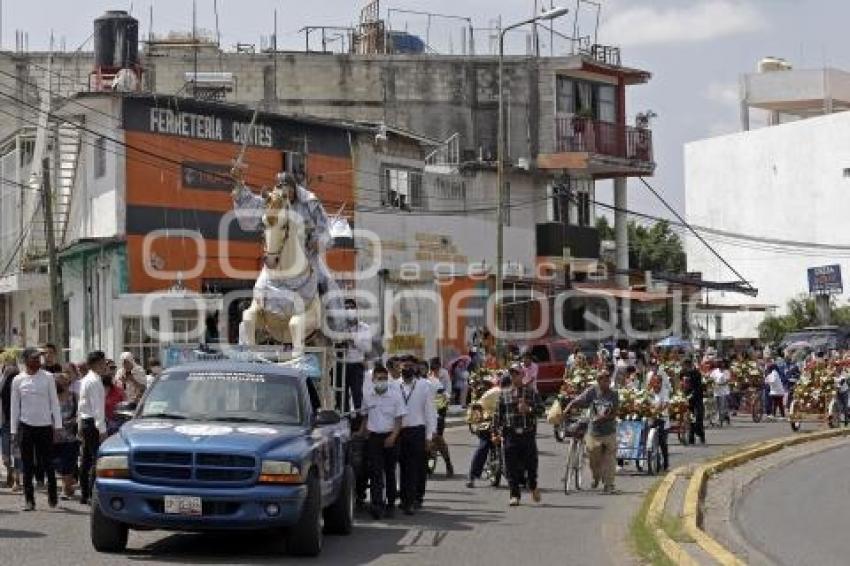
(116,40)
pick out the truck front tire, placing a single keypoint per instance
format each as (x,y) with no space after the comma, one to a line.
(339,517)
(305,538)
(106,535)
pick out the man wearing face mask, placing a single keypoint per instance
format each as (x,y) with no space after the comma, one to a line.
(36,421)
(384,409)
(417,430)
(91,412)
(357,346)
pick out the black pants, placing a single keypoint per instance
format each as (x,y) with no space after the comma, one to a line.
(520,460)
(353,386)
(37,446)
(662,442)
(412,464)
(91,443)
(697,422)
(382,464)
(479,457)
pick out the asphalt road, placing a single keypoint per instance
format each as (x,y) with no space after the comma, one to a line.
(797,515)
(457,526)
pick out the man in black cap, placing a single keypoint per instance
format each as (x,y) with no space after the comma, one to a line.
(515,424)
(36,419)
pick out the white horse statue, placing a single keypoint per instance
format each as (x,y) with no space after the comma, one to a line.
(286,302)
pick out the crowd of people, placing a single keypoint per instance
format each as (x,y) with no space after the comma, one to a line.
(54,417)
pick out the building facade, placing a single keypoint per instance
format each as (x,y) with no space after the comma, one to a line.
(433,204)
(786,182)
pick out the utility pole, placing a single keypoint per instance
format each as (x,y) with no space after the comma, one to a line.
(56,293)
(548,15)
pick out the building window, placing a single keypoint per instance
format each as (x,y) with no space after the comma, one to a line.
(583,207)
(45,326)
(99,157)
(606,103)
(565,88)
(559,203)
(587,98)
(402,188)
(185,327)
(140,339)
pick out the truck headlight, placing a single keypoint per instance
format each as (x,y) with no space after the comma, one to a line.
(276,471)
(114,467)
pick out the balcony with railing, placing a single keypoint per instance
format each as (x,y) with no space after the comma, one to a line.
(602,148)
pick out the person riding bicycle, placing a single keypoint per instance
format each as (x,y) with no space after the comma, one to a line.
(480,417)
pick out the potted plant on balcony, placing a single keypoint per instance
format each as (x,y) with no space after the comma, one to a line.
(581,118)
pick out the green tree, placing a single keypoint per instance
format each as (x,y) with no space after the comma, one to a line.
(655,248)
(801,314)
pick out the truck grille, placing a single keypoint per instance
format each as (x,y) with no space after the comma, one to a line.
(155,465)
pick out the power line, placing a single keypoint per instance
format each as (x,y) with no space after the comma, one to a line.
(695,233)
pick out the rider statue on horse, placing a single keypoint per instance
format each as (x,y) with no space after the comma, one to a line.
(288,293)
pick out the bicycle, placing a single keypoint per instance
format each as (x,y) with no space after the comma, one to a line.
(752,401)
(574,432)
(495,465)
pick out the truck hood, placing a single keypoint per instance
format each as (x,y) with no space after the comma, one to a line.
(254,438)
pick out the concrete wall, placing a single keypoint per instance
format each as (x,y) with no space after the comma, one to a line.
(784,182)
(433,96)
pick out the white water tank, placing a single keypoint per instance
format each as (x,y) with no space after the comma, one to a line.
(772,64)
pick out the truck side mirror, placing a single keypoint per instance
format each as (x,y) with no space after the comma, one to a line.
(327,417)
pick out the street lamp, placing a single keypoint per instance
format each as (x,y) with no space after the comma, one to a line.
(549,14)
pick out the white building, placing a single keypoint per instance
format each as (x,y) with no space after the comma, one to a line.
(787,182)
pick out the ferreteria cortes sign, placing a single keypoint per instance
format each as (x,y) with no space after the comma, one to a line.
(197,121)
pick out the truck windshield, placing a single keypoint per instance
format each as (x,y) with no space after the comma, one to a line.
(224,396)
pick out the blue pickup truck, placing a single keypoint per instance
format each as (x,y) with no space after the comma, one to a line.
(226,445)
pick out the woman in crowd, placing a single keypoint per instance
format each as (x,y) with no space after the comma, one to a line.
(66,447)
(114,396)
(773,381)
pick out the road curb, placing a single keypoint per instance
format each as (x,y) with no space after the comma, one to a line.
(696,491)
(653,519)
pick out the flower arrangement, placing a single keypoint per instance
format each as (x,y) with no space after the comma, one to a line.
(480,381)
(678,406)
(578,379)
(816,387)
(673,368)
(636,404)
(746,375)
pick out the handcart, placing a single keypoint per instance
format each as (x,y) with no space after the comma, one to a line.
(637,441)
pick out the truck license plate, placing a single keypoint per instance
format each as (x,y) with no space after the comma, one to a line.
(182,505)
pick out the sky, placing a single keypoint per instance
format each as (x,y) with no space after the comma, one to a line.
(695,49)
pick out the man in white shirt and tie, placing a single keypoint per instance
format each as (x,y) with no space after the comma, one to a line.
(91,412)
(36,419)
(417,429)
